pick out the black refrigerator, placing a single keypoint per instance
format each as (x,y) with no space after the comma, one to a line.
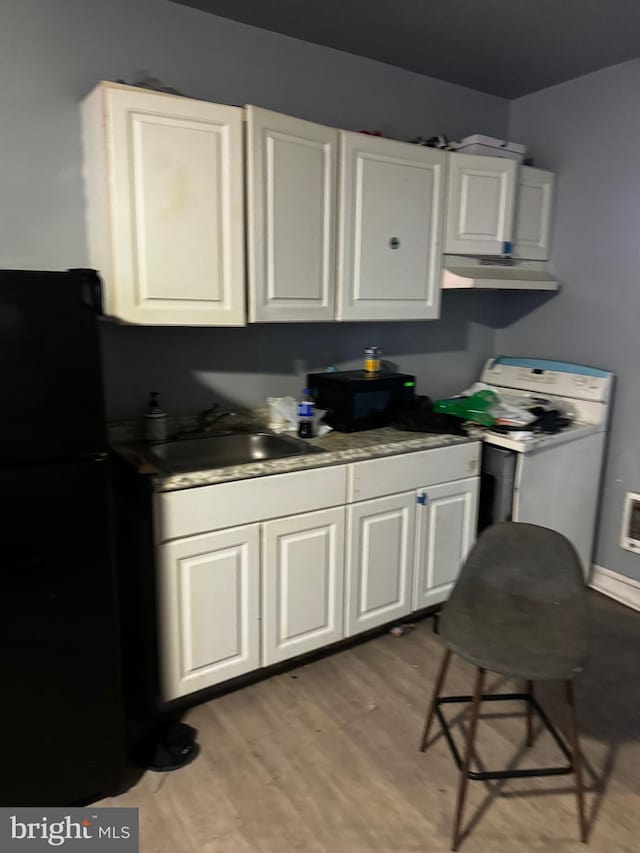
(61,703)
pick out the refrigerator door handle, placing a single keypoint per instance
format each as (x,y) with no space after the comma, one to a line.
(92,288)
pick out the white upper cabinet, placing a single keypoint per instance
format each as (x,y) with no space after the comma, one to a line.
(209,609)
(390,221)
(534,204)
(165,206)
(291,205)
(480,205)
(340,225)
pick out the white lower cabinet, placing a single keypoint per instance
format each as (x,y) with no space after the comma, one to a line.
(379,561)
(446,530)
(209,601)
(303,580)
(370,543)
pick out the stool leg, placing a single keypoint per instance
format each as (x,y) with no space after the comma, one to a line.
(576,759)
(529,714)
(462,785)
(442,674)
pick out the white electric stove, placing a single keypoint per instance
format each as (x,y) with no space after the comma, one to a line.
(548,479)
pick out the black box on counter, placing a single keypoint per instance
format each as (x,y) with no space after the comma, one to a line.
(356,400)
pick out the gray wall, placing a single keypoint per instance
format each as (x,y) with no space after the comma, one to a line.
(52,53)
(588,131)
(240,367)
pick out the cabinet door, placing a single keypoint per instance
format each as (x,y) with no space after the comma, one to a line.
(480,204)
(209,591)
(303,578)
(447,521)
(291,201)
(165,200)
(390,224)
(533,214)
(380,561)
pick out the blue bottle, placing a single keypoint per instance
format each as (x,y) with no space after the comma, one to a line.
(305,415)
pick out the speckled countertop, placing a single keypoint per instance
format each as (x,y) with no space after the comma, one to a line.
(338,448)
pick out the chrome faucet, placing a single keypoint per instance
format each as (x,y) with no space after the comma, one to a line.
(209,417)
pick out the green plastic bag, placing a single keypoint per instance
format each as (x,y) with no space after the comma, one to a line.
(477,408)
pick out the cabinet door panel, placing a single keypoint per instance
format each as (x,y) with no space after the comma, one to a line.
(170,171)
(291,193)
(480,204)
(447,523)
(533,214)
(175,165)
(303,583)
(391,197)
(380,561)
(209,606)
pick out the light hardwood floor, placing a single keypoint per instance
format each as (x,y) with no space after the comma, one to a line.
(325,759)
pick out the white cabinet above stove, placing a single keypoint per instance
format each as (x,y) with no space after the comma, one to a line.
(532,230)
(481,198)
(497,209)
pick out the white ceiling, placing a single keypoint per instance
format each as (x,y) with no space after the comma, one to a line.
(505,47)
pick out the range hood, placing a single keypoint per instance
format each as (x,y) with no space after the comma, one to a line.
(461,272)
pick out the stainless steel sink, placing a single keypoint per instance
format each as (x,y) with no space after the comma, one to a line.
(219,451)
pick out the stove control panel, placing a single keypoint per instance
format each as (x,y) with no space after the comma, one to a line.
(543,376)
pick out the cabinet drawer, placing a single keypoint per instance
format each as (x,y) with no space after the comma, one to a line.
(375,477)
(205,508)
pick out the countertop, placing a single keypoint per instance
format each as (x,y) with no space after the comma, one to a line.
(339,448)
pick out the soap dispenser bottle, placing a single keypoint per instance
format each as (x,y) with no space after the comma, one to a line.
(155,420)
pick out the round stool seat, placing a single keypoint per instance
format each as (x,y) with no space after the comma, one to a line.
(519,605)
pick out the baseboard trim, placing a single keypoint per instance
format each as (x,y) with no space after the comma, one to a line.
(621,588)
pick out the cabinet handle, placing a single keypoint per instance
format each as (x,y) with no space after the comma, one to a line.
(394,242)
(422,499)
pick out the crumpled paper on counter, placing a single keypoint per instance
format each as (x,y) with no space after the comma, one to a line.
(283,416)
